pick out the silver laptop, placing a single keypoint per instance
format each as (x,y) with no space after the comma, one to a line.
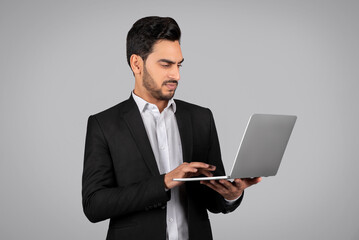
(261,149)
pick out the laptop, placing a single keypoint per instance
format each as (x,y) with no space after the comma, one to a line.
(261,149)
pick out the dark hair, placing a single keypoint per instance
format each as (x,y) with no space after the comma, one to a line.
(146,31)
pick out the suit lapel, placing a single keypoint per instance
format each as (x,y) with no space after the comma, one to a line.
(134,122)
(185,129)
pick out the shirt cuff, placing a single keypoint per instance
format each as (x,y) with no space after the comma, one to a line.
(231,202)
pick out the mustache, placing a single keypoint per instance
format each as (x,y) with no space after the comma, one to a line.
(170,81)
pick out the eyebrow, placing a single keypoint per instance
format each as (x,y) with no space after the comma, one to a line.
(169,61)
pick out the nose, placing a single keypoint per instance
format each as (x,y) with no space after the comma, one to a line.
(175,73)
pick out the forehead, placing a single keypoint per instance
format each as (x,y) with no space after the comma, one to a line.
(165,49)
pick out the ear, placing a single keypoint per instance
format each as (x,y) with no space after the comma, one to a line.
(136,64)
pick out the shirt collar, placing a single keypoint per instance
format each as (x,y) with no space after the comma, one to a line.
(143,104)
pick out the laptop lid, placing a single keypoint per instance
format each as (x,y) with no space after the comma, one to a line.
(261,149)
(263,144)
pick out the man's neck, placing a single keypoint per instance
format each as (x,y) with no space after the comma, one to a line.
(161,104)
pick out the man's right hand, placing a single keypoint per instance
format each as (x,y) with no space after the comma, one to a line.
(186,170)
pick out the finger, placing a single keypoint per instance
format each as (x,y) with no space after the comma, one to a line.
(195,171)
(224,190)
(208,184)
(205,172)
(228,185)
(212,184)
(251,181)
(246,182)
(203,166)
(238,182)
(188,169)
(219,186)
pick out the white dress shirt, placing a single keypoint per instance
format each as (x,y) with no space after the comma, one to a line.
(162,131)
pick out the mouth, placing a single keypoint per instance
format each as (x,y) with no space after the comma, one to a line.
(171,85)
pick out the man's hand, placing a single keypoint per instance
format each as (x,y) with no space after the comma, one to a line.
(186,170)
(231,190)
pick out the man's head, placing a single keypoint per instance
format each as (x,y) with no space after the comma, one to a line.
(154,55)
(146,31)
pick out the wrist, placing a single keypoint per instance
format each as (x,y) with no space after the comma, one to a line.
(167,181)
(233,199)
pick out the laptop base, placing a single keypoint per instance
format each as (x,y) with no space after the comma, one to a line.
(201,178)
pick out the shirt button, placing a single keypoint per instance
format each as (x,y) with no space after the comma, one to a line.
(171,219)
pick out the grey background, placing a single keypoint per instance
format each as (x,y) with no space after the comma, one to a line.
(64,60)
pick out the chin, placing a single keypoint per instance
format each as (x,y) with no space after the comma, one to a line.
(167,96)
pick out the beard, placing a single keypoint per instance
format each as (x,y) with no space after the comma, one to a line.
(156,92)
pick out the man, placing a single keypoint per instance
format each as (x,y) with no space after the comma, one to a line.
(135,149)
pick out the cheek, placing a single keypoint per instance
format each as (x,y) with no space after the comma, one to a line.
(158,74)
(159,78)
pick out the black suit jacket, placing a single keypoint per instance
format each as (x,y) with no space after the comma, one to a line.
(121,180)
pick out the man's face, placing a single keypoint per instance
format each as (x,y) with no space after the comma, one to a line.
(161,70)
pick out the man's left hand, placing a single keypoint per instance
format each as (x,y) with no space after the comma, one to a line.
(231,190)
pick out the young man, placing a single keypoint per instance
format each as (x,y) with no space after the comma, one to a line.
(134,150)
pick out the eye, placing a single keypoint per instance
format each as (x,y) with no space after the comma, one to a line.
(179,65)
(165,65)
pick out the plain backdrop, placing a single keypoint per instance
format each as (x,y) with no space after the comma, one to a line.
(62,61)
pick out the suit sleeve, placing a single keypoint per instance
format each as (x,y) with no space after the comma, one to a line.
(217,203)
(101,197)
